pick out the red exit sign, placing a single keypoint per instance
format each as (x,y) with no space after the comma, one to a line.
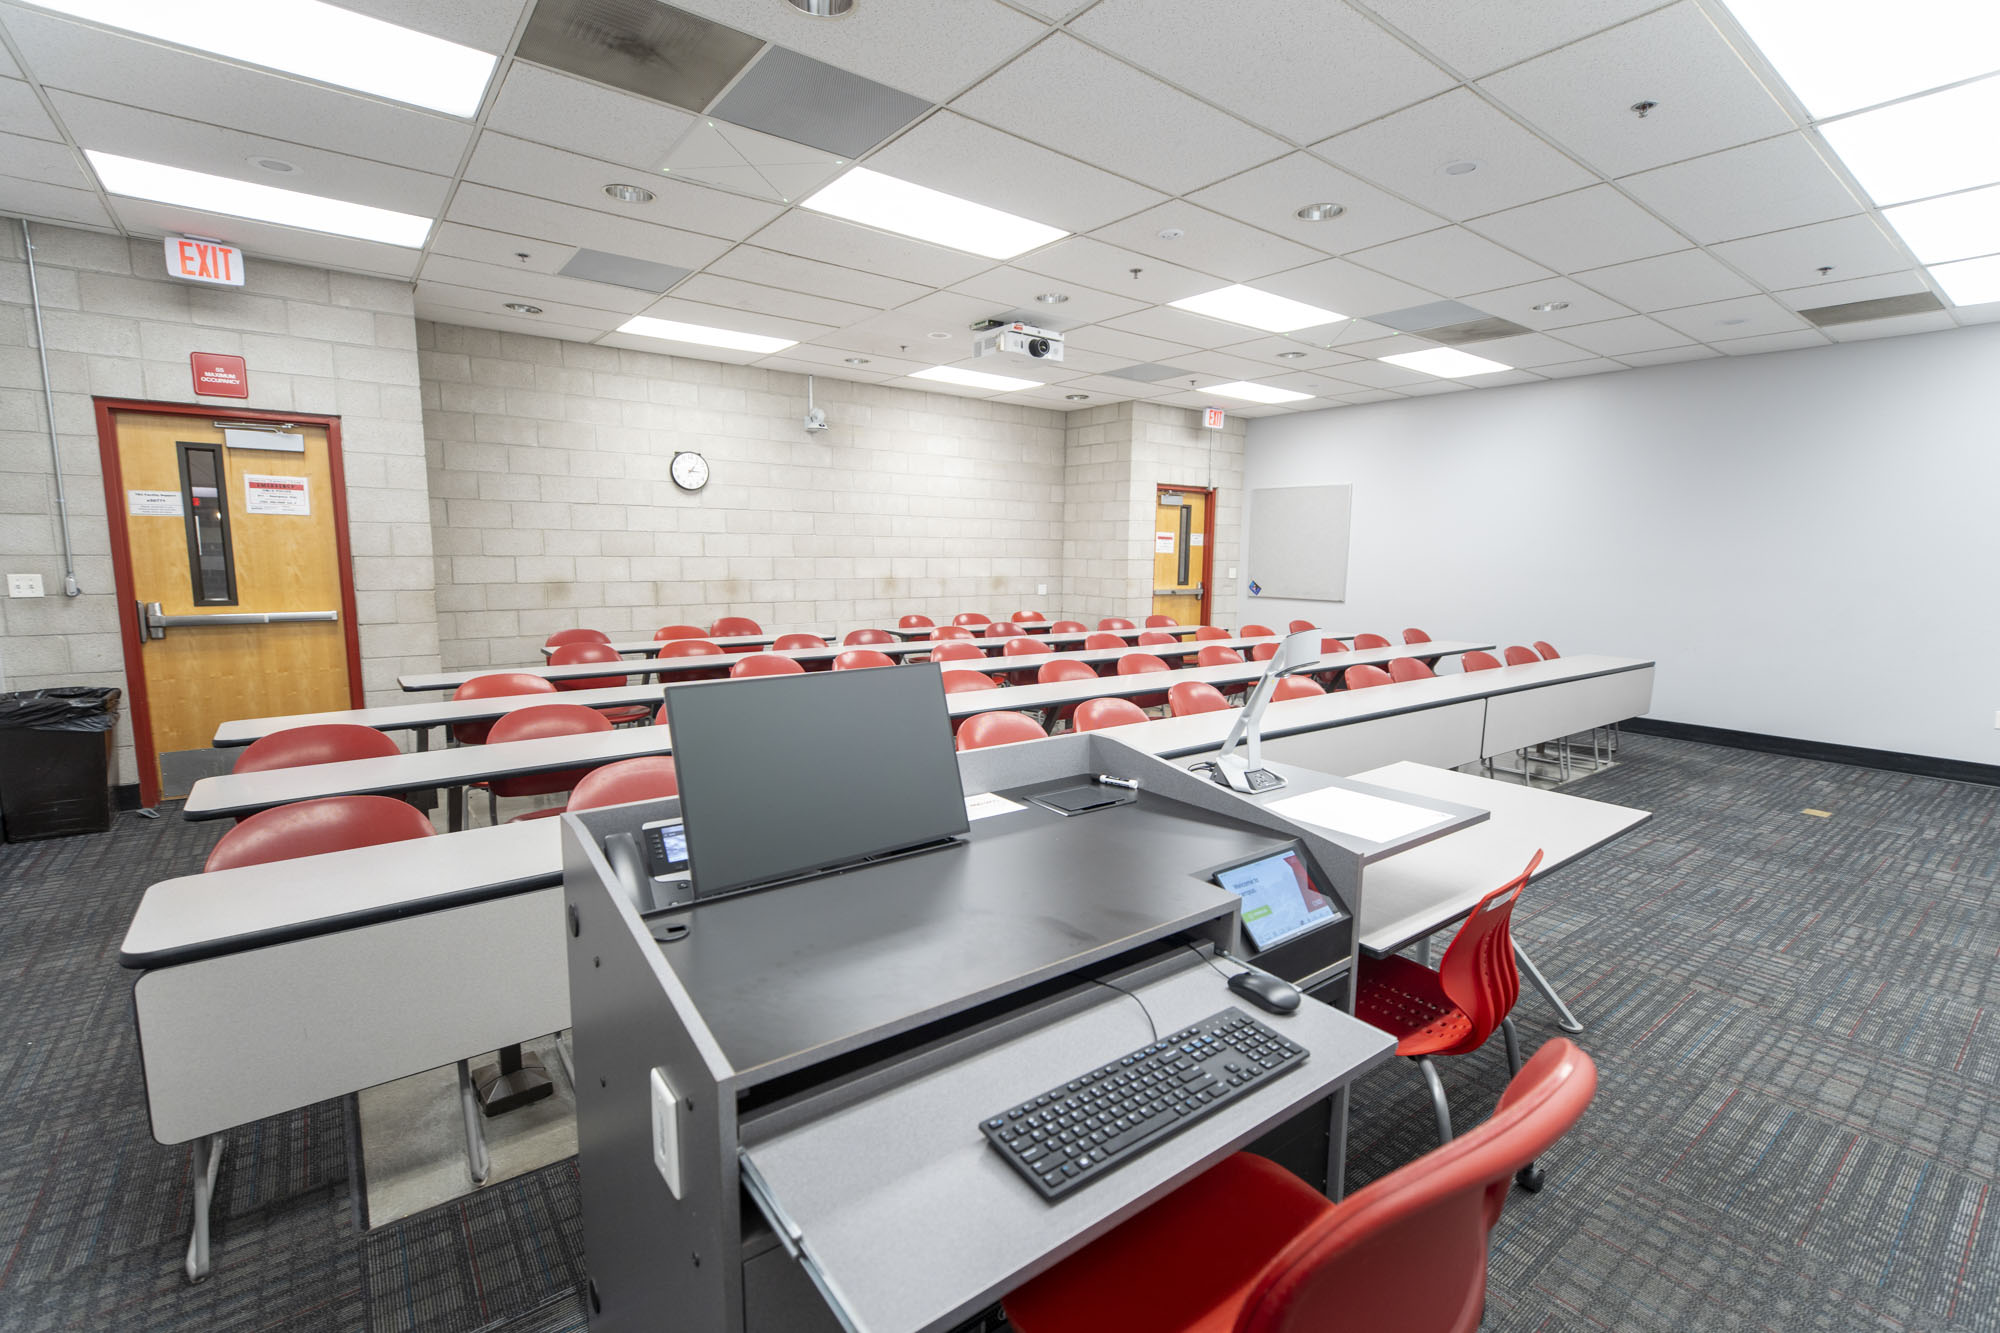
(204,261)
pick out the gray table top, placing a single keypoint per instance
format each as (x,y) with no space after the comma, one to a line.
(1417,892)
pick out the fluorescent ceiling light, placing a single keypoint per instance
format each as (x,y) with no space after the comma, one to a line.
(1928,145)
(262,203)
(1258,310)
(1957,226)
(1445,362)
(1842,55)
(1970,281)
(973,379)
(875,200)
(307,38)
(673,331)
(1256,393)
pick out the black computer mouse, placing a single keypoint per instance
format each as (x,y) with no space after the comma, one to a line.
(1266,992)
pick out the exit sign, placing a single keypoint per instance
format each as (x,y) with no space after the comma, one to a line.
(1211,418)
(204,261)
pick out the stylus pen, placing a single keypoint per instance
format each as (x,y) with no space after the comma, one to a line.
(1106,780)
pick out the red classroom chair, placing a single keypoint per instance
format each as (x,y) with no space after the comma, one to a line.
(859,659)
(1256,632)
(500,684)
(1157,638)
(1364,676)
(955,652)
(1064,668)
(984,729)
(1026,616)
(563,636)
(327,743)
(863,637)
(730,626)
(1114,622)
(971,618)
(766,664)
(1160,622)
(572,653)
(648,778)
(951,632)
(527,724)
(311,828)
(1296,687)
(1097,714)
(1100,640)
(1023,646)
(1068,627)
(1214,654)
(1263,652)
(1547,650)
(915,622)
(961,682)
(665,632)
(1415,636)
(1254,1249)
(1519,656)
(1363,642)
(675,648)
(1195,696)
(1299,625)
(1133,664)
(1003,629)
(1478,661)
(1409,668)
(1202,632)
(787,643)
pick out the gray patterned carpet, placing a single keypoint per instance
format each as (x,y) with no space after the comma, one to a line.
(1795,1128)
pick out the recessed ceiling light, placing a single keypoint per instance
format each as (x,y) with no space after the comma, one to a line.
(1970,281)
(1550,307)
(263,203)
(1445,362)
(857,360)
(939,334)
(1076,397)
(875,200)
(1928,145)
(1320,212)
(310,39)
(1052,298)
(1256,393)
(1843,59)
(1463,168)
(276,165)
(1958,226)
(523,308)
(1259,310)
(630,194)
(973,379)
(823,9)
(1733,321)
(673,331)
(1290,356)
(1171,233)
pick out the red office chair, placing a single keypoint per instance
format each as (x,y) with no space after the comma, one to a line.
(666,632)
(1156,638)
(1256,632)
(1547,650)
(1101,640)
(1114,622)
(1415,636)
(962,682)
(1519,656)
(1097,714)
(1364,642)
(498,685)
(310,828)
(1195,696)
(1330,644)
(969,618)
(1409,668)
(1160,622)
(1453,1009)
(1026,616)
(1133,664)
(528,724)
(951,632)
(1064,668)
(1263,652)
(1253,1249)
(859,659)
(1023,646)
(572,653)
(1202,632)
(1363,676)
(1296,687)
(675,648)
(863,637)
(984,729)
(563,636)
(1329,679)
(651,778)
(766,664)
(1003,629)
(915,622)
(1478,661)
(731,626)
(1298,626)
(956,652)
(786,643)
(1215,654)
(1068,627)
(328,743)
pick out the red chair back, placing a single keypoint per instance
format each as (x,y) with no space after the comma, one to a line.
(310,828)
(1025,616)
(786,643)
(1068,627)
(328,743)
(857,637)
(1367,641)
(1263,652)
(572,653)
(984,729)
(1256,632)
(1296,687)
(1332,645)
(1093,642)
(1133,663)
(1409,668)
(666,632)
(766,664)
(858,659)
(1547,650)
(1159,622)
(971,618)
(1363,676)
(1478,661)
(954,652)
(1114,622)
(528,724)
(1298,625)
(1064,668)
(1097,714)
(1519,656)
(689,648)
(1215,654)
(1003,629)
(915,622)
(1022,644)
(951,632)
(563,636)
(962,682)
(733,625)
(1157,638)
(1415,636)
(1477,971)
(1211,632)
(497,685)
(651,778)
(1195,696)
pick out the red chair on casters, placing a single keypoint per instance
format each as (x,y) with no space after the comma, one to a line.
(1195,696)
(1097,714)
(1066,668)
(1253,1249)
(312,828)
(527,724)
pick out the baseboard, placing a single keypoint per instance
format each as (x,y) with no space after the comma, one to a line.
(1895,761)
(126,795)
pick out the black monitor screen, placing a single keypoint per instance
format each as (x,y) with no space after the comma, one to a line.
(781,775)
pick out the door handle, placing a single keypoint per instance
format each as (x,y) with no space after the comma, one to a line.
(1194,591)
(153,625)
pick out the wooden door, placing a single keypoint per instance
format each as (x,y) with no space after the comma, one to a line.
(1181,555)
(208,534)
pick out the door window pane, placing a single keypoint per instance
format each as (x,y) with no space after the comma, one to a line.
(211,565)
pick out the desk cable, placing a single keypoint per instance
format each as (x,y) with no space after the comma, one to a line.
(1207,958)
(1136,1000)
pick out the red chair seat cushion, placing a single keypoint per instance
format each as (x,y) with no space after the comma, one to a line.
(1171,1267)
(1406,1000)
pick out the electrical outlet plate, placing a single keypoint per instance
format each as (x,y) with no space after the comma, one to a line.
(24,585)
(667,1132)
(1041,590)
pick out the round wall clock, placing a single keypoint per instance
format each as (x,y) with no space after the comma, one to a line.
(689,471)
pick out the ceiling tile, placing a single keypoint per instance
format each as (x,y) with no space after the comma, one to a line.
(55,203)
(1396,344)
(261,240)
(832,360)
(1935,321)
(1518,304)
(545,107)
(110,65)
(1855,289)
(1853,247)
(724,317)
(1269,60)
(1208,242)
(1110,269)
(1055,11)
(8,69)
(1595,365)
(1105,389)
(795,273)
(1666,281)
(1382,375)
(499,247)
(113,127)
(21,112)
(483,25)
(1478,39)
(1226,365)
(1130,347)
(1082,102)
(1407,153)
(832,241)
(1745,191)
(498,210)
(1338,285)
(47,161)
(633,342)
(792,96)
(1271,195)
(507,163)
(797,365)
(494,305)
(1181,326)
(1384,396)
(1770,342)
(515,284)
(919,46)
(1584,229)
(1707,97)
(1013,290)
(717,290)
(1450,261)
(973,161)
(437,306)
(1621,337)
(1742,317)
(1666,356)
(1531,350)
(1306,355)
(715,152)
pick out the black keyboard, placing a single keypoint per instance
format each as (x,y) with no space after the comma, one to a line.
(1095,1123)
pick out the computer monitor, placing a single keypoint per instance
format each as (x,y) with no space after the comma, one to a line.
(787,775)
(1279,898)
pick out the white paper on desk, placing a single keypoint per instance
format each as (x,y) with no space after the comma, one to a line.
(1356,814)
(986,803)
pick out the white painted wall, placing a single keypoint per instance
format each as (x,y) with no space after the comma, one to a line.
(1768,528)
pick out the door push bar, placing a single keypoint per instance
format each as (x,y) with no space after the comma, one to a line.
(1194,591)
(153,625)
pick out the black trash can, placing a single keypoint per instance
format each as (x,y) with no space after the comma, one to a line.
(55,761)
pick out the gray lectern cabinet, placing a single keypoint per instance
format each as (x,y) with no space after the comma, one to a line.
(779,1091)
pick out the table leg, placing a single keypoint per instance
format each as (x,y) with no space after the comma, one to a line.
(475,1135)
(515,1081)
(207,1163)
(1564,1018)
(1336,1147)
(454,819)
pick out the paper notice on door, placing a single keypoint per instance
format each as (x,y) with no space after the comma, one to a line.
(1163,543)
(1356,814)
(1197,539)
(153,504)
(275,495)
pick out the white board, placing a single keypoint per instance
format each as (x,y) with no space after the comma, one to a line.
(1297,540)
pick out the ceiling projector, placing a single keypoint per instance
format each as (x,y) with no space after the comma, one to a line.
(1018,340)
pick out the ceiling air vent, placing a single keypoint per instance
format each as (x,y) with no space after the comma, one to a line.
(642,46)
(1452,323)
(1147,372)
(1882,307)
(622,271)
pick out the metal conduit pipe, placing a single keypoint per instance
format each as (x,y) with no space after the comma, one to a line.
(70,587)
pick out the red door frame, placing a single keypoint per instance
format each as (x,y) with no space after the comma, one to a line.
(1208,538)
(121,556)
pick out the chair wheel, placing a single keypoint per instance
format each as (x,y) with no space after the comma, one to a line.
(1530,1178)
